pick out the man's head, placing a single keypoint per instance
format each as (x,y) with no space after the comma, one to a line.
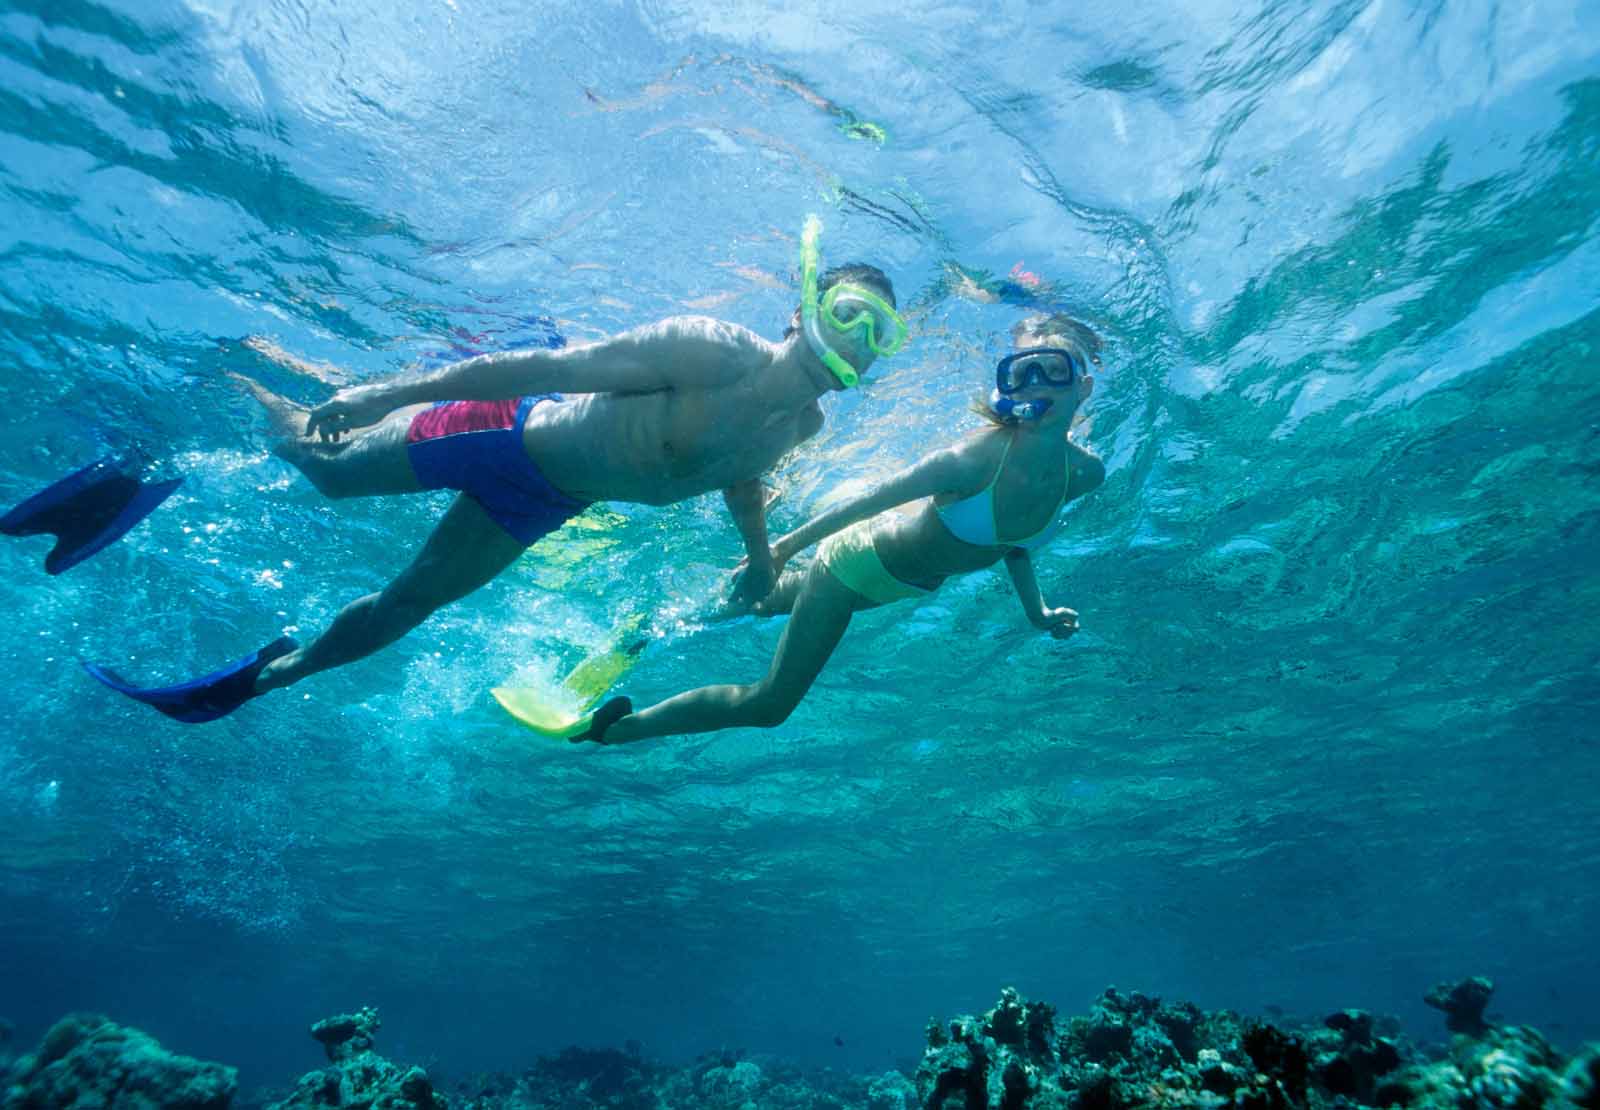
(854,273)
(847,315)
(848,323)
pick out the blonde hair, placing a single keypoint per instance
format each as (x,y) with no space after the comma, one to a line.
(1054,330)
(1074,335)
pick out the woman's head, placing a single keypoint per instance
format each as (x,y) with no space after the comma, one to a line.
(1058,330)
(1047,374)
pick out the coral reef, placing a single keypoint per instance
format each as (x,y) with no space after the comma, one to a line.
(604,1079)
(357,1077)
(1580,1085)
(1132,1051)
(1463,1004)
(86,1060)
(1129,1052)
(574,1077)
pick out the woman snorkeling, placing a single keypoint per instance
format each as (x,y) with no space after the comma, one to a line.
(997,494)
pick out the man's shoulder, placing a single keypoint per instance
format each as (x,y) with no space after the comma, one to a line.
(712,331)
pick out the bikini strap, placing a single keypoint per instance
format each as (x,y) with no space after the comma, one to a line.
(994,507)
(992,488)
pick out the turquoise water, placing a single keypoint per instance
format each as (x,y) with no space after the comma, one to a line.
(1328,733)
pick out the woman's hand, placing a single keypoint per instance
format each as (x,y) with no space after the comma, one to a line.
(356,407)
(1060,623)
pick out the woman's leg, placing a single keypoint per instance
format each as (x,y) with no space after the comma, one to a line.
(821,614)
(783,596)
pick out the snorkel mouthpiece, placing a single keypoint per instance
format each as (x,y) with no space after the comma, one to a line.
(1021,410)
(810,326)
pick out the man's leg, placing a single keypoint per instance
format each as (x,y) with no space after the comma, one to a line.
(821,615)
(466,550)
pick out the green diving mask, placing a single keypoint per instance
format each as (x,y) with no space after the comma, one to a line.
(846,308)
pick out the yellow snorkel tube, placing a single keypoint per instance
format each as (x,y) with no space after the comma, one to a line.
(846,308)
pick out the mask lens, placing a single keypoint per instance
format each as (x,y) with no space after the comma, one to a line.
(1011,377)
(1045,366)
(850,307)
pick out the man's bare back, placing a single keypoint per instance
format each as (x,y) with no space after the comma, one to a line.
(669,444)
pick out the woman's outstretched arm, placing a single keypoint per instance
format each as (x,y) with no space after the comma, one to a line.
(1060,623)
(951,469)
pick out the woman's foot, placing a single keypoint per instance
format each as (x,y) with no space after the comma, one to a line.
(604,717)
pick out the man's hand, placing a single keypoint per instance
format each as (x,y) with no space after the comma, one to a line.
(349,409)
(1060,623)
(752,582)
(747,504)
(747,591)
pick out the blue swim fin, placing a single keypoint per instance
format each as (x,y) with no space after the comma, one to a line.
(86,511)
(202,699)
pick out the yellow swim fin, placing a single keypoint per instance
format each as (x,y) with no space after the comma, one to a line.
(532,707)
(586,684)
(590,679)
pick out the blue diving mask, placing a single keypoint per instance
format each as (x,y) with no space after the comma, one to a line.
(1055,366)
(1048,366)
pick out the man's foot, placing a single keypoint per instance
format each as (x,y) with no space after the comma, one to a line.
(325,372)
(288,419)
(202,699)
(281,670)
(604,717)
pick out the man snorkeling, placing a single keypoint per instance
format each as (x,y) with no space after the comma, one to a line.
(530,438)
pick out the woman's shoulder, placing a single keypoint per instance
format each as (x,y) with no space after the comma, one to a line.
(988,441)
(1088,470)
(973,462)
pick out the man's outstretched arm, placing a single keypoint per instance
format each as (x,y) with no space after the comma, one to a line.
(684,352)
